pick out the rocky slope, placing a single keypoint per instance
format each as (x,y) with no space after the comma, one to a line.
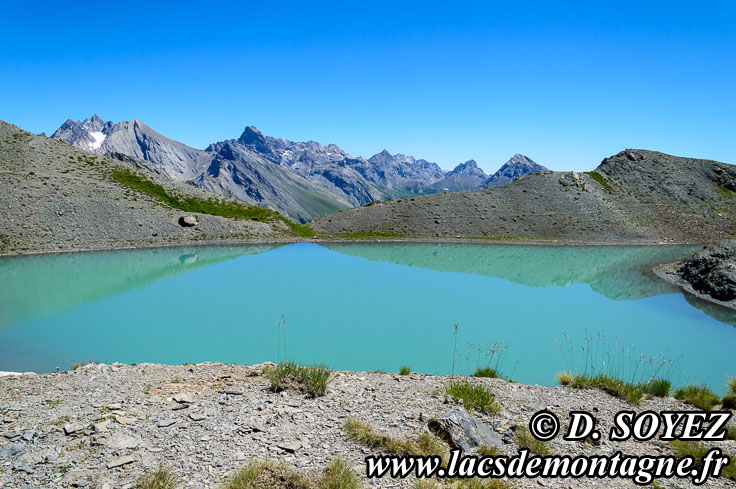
(303,180)
(103,426)
(54,197)
(635,196)
(708,274)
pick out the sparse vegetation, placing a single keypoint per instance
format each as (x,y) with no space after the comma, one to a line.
(462,484)
(76,365)
(311,380)
(212,206)
(699,396)
(370,235)
(423,445)
(404,370)
(55,402)
(599,178)
(698,450)
(474,397)
(657,387)
(489,360)
(268,475)
(488,451)
(615,387)
(161,478)
(525,439)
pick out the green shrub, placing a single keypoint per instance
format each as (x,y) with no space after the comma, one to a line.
(404,370)
(731,384)
(311,380)
(473,397)
(699,396)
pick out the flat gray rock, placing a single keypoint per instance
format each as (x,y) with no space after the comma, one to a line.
(185,397)
(11,449)
(119,462)
(71,428)
(165,422)
(460,430)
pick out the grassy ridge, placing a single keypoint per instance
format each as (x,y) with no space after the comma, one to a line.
(212,206)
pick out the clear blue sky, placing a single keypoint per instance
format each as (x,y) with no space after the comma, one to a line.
(564,83)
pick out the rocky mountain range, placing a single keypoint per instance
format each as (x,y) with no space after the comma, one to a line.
(634,196)
(303,180)
(136,140)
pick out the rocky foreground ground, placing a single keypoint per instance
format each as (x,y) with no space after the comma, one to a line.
(103,426)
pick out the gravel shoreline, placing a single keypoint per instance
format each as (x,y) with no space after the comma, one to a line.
(286,241)
(103,426)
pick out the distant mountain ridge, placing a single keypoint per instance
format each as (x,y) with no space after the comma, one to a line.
(635,196)
(303,180)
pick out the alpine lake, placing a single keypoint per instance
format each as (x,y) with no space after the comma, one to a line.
(529,311)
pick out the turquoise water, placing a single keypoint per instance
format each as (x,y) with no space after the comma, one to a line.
(364,307)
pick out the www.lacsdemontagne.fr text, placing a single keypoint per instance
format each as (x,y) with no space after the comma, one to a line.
(641,470)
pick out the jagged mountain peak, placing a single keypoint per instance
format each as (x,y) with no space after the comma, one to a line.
(467,167)
(136,140)
(517,166)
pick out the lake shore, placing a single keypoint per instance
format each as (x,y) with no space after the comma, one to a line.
(106,425)
(292,240)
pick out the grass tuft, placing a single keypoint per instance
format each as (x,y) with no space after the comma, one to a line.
(488,451)
(266,475)
(525,439)
(699,396)
(160,479)
(423,445)
(487,372)
(657,387)
(729,401)
(404,370)
(473,397)
(616,387)
(311,380)
(731,384)
(339,475)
